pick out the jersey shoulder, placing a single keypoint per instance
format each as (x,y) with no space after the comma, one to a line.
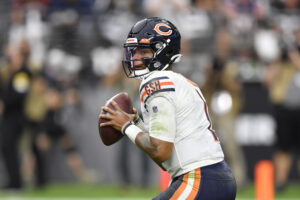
(158,82)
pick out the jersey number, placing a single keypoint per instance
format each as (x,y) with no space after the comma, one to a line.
(206,110)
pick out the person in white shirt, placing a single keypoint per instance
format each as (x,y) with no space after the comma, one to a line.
(176,130)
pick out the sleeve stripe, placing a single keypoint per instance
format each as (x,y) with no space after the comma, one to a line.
(158,78)
(166,83)
(144,93)
(163,90)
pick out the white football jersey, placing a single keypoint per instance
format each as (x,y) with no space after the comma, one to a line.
(175,110)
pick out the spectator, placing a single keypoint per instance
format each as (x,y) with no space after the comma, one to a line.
(285,90)
(51,130)
(15,83)
(283,80)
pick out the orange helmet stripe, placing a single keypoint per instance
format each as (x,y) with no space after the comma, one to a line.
(144,40)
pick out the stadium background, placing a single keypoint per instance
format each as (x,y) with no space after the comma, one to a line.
(228,47)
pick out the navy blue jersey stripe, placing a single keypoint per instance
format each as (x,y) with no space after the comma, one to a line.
(154,79)
(162,90)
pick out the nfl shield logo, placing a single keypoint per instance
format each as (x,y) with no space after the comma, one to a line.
(155,109)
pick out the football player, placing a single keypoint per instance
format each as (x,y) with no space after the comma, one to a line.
(176,130)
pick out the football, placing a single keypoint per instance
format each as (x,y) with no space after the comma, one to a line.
(108,134)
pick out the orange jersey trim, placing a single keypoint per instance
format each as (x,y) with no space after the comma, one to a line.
(191,82)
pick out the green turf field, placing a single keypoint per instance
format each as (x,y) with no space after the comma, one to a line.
(104,192)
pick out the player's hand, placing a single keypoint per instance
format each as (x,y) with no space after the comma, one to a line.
(136,115)
(117,117)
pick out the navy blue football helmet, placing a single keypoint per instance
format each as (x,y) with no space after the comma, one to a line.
(157,34)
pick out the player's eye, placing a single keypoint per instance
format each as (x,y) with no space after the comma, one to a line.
(140,52)
(144,51)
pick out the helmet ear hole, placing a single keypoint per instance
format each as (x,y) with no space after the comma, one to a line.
(158,45)
(156,64)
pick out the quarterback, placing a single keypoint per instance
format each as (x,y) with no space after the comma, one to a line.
(176,130)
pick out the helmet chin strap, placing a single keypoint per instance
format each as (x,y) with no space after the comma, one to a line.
(165,67)
(175,59)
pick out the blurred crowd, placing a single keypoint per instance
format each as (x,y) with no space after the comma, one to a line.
(244,54)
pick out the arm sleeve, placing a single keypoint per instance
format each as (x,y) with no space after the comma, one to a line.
(162,119)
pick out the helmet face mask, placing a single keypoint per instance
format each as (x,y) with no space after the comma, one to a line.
(157,34)
(130,68)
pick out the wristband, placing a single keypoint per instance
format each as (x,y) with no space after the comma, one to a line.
(131,130)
